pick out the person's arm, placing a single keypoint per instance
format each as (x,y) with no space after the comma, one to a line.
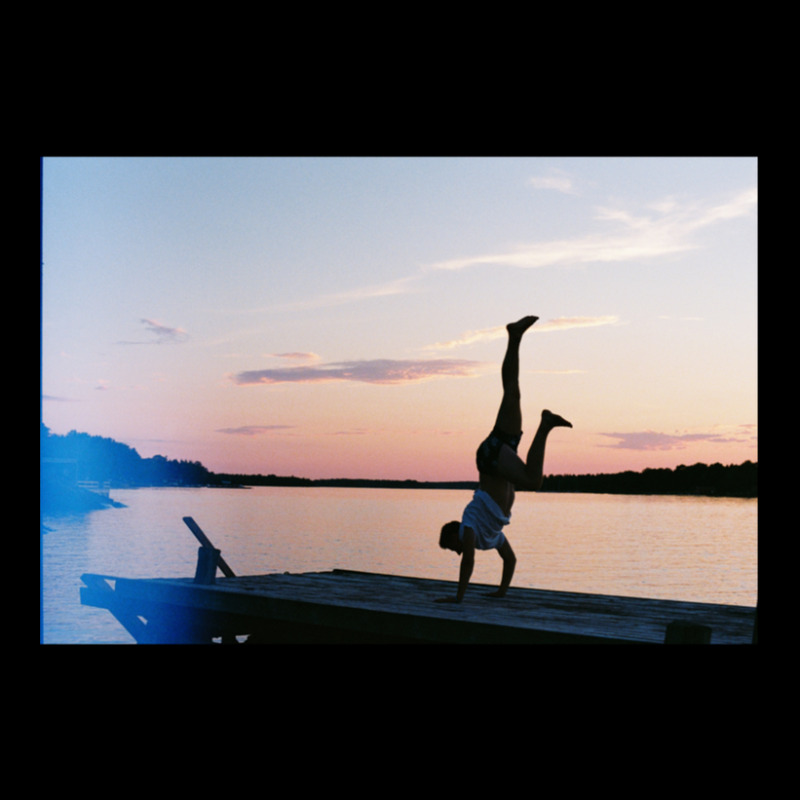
(465,570)
(509,562)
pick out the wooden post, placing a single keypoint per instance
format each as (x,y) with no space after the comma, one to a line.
(206,542)
(687,633)
(207,560)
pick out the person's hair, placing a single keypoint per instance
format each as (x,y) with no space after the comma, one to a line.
(449,530)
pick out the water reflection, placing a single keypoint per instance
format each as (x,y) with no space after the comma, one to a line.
(700,549)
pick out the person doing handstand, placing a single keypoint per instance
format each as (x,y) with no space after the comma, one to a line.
(500,470)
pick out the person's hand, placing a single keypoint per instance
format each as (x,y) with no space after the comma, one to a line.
(450,599)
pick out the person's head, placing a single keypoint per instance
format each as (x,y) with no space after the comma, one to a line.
(448,538)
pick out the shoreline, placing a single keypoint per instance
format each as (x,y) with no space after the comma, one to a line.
(57,497)
(355,483)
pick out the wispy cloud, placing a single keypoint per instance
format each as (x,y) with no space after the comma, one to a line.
(296,356)
(394,287)
(160,334)
(380,371)
(559,182)
(567,323)
(499,332)
(668,229)
(471,337)
(652,440)
(254,430)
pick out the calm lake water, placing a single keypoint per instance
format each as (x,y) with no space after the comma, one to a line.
(682,548)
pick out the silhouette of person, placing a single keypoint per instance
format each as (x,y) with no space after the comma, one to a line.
(500,470)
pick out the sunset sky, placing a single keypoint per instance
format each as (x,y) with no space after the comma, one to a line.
(344,317)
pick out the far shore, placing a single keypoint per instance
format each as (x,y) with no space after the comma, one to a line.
(359,483)
(57,497)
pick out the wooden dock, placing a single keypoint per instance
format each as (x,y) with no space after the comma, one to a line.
(344,606)
(356,607)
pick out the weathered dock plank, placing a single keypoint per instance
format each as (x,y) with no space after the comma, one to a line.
(347,606)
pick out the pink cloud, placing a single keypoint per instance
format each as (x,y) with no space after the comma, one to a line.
(163,334)
(297,356)
(382,371)
(253,430)
(651,440)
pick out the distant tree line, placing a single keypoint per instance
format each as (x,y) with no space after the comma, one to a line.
(96,458)
(76,457)
(702,479)
(230,479)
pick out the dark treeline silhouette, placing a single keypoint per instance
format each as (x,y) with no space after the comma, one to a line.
(68,460)
(701,479)
(99,459)
(377,483)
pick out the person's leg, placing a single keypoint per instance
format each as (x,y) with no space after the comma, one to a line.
(530,473)
(534,463)
(526,474)
(509,417)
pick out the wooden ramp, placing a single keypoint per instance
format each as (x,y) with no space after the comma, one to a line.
(354,607)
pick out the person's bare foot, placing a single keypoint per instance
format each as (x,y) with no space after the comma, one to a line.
(519,327)
(554,420)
